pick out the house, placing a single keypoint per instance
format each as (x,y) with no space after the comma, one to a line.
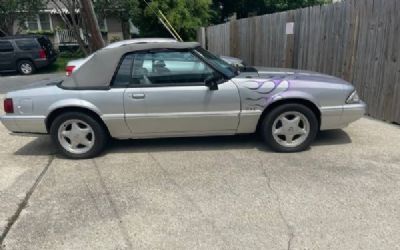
(49,22)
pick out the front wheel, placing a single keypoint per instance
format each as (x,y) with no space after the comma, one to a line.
(78,136)
(289,128)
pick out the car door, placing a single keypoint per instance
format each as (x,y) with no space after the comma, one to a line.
(171,86)
(7,60)
(133,97)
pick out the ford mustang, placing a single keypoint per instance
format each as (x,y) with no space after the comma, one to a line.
(177,89)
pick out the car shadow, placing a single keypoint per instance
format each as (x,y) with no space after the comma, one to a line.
(43,145)
(40,146)
(332,137)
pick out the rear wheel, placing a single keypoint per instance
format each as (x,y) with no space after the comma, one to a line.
(78,136)
(26,67)
(290,128)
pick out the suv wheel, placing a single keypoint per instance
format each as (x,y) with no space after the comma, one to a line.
(26,67)
(290,128)
(78,136)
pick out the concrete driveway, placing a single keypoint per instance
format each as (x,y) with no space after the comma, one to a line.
(205,193)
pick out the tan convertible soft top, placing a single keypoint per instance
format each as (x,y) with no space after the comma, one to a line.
(98,71)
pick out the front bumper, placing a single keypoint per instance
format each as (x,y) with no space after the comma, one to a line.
(341,116)
(25,124)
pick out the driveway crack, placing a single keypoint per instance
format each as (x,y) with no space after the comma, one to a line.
(22,205)
(290,228)
(190,200)
(113,206)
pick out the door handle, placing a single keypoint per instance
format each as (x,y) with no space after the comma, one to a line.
(138,96)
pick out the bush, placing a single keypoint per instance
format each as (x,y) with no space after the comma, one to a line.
(72,54)
(115,39)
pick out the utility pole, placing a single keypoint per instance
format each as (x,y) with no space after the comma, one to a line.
(95,39)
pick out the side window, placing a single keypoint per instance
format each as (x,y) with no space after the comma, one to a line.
(32,23)
(6,46)
(169,68)
(123,75)
(27,44)
(45,21)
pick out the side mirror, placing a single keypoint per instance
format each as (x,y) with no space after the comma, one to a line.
(212,83)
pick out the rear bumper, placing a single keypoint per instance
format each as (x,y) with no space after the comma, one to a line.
(41,63)
(341,116)
(25,124)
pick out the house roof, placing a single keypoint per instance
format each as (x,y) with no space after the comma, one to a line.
(53,7)
(98,71)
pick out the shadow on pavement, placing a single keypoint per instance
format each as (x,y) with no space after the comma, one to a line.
(332,137)
(39,146)
(43,145)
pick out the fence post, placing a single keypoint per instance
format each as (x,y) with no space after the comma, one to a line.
(289,48)
(201,37)
(234,38)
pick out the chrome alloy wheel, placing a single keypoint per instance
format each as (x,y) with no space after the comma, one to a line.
(291,129)
(76,136)
(26,68)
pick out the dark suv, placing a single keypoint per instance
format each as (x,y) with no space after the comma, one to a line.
(26,53)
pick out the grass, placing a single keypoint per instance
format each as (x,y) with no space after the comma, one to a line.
(58,66)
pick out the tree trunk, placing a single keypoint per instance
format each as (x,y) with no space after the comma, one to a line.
(125,29)
(92,25)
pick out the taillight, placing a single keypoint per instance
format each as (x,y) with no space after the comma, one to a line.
(8,106)
(42,54)
(69,70)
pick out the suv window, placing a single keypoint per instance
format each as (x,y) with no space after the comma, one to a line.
(162,68)
(27,44)
(6,46)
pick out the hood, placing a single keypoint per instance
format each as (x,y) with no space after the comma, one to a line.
(293,74)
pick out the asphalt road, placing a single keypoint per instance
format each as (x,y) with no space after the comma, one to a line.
(205,193)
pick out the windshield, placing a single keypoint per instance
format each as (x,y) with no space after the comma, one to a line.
(217,62)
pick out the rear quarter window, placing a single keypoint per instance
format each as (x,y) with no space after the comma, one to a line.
(27,44)
(45,42)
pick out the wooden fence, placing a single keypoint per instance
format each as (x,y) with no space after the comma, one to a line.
(357,40)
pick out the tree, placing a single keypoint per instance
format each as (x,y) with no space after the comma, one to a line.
(17,10)
(95,39)
(121,8)
(186,16)
(225,8)
(81,21)
(69,13)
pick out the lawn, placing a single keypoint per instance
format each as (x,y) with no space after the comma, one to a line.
(58,65)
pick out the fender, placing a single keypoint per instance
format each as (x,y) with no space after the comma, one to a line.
(294,94)
(73,102)
(250,118)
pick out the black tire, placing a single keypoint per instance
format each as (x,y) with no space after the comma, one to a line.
(23,67)
(100,134)
(269,119)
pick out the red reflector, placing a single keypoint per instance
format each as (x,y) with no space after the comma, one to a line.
(8,106)
(42,54)
(69,70)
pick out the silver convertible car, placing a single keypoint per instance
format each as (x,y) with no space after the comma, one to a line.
(152,90)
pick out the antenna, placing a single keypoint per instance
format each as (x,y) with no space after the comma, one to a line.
(170,25)
(167,25)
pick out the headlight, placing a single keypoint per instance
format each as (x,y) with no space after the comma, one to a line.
(353,98)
